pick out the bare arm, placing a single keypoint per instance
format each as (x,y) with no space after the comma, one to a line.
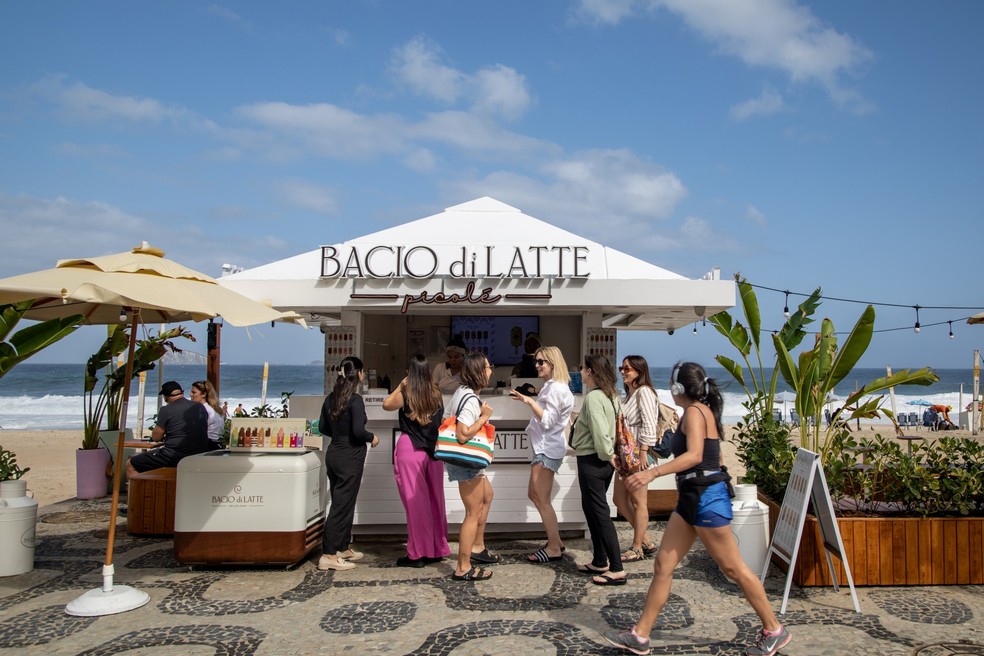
(395,400)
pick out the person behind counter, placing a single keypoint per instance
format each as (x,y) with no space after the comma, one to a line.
(447,375)
(418,474)
(527,366)
(641,417)
(547,431)
(202,391)
(704,511)
(473,484)
(594,442)
(182,426)
(343,419)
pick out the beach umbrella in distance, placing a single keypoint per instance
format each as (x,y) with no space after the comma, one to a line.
(920,402)
(977,318)
(136,286)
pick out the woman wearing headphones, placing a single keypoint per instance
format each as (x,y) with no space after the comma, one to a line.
(704,511)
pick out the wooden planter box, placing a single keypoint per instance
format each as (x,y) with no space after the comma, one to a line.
(892,550)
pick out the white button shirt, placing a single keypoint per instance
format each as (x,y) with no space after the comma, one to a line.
(548,434)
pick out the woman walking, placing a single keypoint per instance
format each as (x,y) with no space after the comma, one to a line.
(704,511)
(547,432)
(641,416)
(476,492)
(343,419)
(418,474)
(594,442)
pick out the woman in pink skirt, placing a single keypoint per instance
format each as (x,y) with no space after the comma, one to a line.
(419,476)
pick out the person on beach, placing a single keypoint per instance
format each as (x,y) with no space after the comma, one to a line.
(343,419)
(182,427)
(703,511)
(473,484)
(239,411)
(202,391)
(447,375)
(641,417)
(547,432)
(418,474)
(594,442)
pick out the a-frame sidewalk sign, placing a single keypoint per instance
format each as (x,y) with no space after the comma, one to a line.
(807,483)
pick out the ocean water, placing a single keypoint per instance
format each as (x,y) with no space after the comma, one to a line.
(49,396)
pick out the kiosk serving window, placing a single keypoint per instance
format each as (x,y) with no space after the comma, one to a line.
(500,339)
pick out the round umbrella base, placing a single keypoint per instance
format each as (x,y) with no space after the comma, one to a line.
(99,602)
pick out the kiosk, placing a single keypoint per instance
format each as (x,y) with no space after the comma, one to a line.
(493,274)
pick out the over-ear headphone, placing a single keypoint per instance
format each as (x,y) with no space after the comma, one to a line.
(676,389)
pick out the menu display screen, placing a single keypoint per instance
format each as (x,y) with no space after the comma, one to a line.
(500,339)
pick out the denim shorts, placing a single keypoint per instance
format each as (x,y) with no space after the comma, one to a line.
(553,464)
(457,473)
(714,509)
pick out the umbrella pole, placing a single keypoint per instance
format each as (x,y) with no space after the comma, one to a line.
(112,599)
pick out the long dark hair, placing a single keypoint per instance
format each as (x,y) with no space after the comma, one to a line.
(641,367)
(423,397)
(698,387)
(602,373)
(345,385)
(473,371)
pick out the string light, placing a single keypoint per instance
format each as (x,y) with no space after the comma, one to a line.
(695,327)
(916,327)
(951,329)
(122,315)
(785,310)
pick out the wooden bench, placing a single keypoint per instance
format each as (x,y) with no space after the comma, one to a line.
(151,501)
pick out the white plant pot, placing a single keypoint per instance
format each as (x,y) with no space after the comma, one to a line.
(18,520)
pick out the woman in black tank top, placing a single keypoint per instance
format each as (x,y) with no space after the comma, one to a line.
(698,467)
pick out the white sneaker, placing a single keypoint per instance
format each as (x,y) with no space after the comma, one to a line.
(326,563)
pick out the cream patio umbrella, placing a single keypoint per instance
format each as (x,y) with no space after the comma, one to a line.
(140,285)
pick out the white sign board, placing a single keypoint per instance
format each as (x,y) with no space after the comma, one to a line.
(807,483)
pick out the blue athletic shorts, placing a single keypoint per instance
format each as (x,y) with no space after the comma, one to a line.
(714,509)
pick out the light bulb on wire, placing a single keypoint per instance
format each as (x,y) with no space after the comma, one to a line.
(785,310)
(916,328)
(951,329)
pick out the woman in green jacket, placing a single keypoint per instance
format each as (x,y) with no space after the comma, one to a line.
(594,442)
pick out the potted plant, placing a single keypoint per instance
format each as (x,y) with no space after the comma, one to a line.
(18,518)
(901,515)
(105,401)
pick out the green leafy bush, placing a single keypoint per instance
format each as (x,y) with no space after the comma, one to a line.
(9,471)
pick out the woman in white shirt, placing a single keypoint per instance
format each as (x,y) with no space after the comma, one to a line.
(547,432)
(641,410)
(203,392)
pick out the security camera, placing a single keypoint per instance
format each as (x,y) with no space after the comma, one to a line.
(669,332)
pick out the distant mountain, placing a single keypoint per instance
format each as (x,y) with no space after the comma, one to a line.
(185,357)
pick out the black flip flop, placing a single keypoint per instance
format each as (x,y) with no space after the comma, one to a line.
(594,571)
(485,558)
(541,556)
(607,580)
(474,574)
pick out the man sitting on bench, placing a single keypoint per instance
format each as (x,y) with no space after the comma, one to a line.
(182,426)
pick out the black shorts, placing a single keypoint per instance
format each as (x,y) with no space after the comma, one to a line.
(155,459)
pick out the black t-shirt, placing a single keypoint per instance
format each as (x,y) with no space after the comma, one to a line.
(349,430)
(422,436)
(185,425)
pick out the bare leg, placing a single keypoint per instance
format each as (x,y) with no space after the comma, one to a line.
(676,542)
(472,493)
(479,544)
(639,502)
(620,497)
(539,489)
(720,543)
(130,471)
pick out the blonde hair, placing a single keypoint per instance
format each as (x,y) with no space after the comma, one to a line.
(553,355)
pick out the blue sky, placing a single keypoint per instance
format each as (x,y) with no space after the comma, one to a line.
(835,144)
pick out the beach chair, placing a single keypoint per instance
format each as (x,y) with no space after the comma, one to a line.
(777,416)
(794,418)
(902,419)
(914,420)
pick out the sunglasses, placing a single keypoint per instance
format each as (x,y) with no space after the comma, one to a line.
(625,369)
(540,362)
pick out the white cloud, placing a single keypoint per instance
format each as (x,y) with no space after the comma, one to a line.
(308,196)
(493,90)
(417,65)
(754,215)
(769,102)
(81,101)
(777,34)
(475,134)
(421,160)
(230,16)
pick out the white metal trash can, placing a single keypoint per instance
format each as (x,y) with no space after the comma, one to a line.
(18,520)
(750,526)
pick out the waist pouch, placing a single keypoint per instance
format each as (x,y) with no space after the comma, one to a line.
(691,490)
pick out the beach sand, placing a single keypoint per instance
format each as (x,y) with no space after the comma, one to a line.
(51,456)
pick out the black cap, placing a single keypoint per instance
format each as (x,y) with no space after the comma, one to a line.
(169,388)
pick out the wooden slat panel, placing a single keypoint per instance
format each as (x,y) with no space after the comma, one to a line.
(898,553)
(886,553)
(911,553)
(847,537)
(806,559)
(936,555)
(950,553)
(872,555)
(976,551)
(925,549)
(860,569)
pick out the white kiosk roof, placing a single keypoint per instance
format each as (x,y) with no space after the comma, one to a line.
(483,257)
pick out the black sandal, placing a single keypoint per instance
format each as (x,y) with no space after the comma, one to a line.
(485,558)
(474,574)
